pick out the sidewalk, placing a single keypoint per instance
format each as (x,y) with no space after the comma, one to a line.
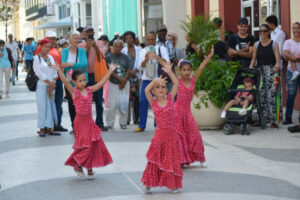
(264,165)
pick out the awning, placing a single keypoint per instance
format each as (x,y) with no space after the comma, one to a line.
(63,23)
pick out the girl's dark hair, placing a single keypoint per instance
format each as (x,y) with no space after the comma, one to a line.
(76,72)
(2,42)
(129,33)
(267,27)
(185,62)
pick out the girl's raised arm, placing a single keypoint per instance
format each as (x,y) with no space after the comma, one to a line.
(167,67)
(98,85)
(203,64)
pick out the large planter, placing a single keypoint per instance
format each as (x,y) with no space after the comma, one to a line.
(206,117)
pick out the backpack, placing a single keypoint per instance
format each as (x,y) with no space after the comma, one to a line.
(31,79)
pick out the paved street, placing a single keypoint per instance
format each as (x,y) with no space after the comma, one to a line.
(264,165)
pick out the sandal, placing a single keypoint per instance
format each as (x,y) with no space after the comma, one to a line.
(42,133)
(273,125)
(51,132)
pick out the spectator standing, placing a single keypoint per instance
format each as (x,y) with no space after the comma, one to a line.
(14,47)
(27,52)
(148,63)
(291,53)
(133,52)
(118,97)
(241,44)
(266,53)
(178,52)
(93,52)
(73,58)
(6,64)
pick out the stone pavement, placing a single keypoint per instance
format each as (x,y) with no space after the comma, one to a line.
(264,165)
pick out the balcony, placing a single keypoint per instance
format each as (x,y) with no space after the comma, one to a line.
(32,10)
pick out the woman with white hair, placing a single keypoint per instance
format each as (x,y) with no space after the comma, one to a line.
(173,38)
(73,58)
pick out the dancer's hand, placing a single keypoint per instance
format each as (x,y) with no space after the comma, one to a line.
(112,67)
(160,80)
(167,67)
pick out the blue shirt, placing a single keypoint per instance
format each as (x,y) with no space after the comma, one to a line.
(169,47)
(28,51)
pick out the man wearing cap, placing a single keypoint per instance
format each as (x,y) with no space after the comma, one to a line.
(241,44)
(92,58)
(14,47)
(59,91)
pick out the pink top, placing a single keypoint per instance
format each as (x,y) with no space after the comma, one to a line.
(294,48)
(92,54)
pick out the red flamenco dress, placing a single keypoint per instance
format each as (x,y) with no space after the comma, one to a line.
(163,167)
(188,124)
(89,148)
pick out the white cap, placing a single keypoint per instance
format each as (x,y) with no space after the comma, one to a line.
(63,41)
(116,33)
(50,34)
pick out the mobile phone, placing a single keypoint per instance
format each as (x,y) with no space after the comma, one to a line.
(151,49)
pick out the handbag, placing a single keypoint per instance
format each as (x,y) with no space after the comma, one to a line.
(100,69)
(31,79)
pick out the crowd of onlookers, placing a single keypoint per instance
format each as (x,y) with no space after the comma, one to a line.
(138,64)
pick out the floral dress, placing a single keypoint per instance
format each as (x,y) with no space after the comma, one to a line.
(188,126)
(89,148)
(163,167)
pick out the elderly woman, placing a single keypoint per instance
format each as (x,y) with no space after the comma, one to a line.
(266,53)
(173,38)
(291,52)
(73,58)
(6,64)
(42,63)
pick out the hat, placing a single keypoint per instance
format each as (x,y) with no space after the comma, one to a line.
(63,41)
(50,34)
(88,27)
(162,27)
(243,20)
(116,34)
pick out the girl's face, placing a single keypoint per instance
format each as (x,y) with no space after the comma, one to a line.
(80,81)
(248,86)
(264,32)
(185,71)
(159,90)
(46,48)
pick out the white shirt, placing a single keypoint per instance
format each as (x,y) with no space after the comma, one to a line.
(137,53)
(278,36)
(42,70)
(14,47)
(164,55)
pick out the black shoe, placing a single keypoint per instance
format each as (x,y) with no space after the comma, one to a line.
(288,120)
(103,128)
(294,129)
(128,123)
(60,129)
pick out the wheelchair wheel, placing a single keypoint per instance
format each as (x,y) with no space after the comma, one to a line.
(228,129)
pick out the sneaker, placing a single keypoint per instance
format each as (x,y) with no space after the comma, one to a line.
(60,129)
(138,129)
(203,165)
(109,127)
(123,126)
(223,114)
(91,177)
(103,128)
(294,129)
(288,120)
(147,189)
(79,173)
(243,112)
(175,191)
(295,76)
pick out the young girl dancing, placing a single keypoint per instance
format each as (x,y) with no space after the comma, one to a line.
(89,148)
(193,148)
(163,167)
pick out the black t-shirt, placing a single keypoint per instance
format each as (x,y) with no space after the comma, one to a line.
(237,43)
(123,65)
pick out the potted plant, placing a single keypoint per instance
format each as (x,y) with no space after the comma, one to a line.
(211,87)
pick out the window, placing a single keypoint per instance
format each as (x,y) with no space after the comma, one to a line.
(153,14)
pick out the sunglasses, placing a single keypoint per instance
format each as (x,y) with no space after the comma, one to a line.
(263,31)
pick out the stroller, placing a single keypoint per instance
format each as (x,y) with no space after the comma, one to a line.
(254,111)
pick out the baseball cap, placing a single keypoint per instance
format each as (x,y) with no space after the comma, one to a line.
(88,27)
(162,27)
(50,34)
(63,41)
(243,20)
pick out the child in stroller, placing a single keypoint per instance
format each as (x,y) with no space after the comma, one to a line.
(242,98)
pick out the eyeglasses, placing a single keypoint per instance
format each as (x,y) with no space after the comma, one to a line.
(263,31)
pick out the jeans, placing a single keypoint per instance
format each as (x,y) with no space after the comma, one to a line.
(72,111)
(98,98)
(292,89)
(59,96)
(14,73)
(53,108)
(44,113)
(29,64)
(6,72)
(144,104)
